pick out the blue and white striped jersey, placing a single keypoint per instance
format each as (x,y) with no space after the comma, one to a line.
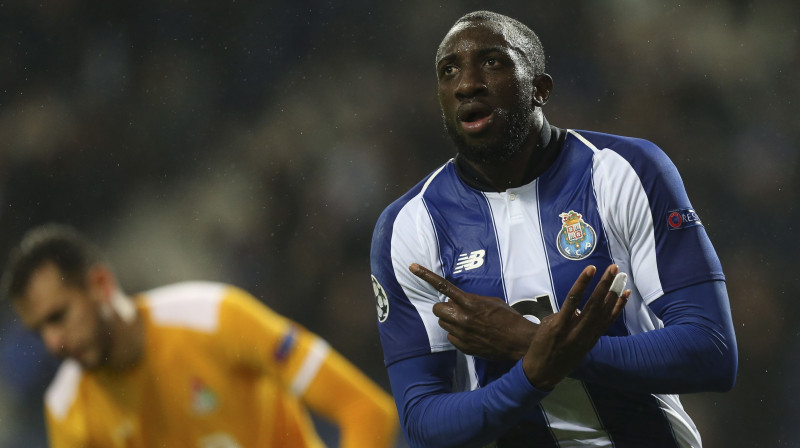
(606,199)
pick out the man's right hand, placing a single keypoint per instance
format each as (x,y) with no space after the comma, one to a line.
(563,339)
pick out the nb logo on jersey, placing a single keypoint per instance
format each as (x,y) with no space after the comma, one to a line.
(469,262)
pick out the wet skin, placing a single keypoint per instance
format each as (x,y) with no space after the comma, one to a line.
(490,99)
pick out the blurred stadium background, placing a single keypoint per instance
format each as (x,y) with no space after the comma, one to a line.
(257,142)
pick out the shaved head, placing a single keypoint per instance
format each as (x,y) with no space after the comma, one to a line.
(518,35)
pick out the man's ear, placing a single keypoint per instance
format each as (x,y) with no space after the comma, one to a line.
(102,282)
(542,86)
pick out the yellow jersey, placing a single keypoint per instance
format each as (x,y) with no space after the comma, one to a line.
(219,370)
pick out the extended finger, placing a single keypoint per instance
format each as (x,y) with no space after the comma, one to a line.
(576,292)
(611,300)
(440,284)
(599,296)
(602,316)
(620,304)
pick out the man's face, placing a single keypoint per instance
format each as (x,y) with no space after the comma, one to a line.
(485,91)
(67,317)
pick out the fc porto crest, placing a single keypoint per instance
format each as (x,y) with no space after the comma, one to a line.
(576,240)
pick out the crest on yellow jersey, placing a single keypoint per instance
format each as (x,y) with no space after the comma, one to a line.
(204,400)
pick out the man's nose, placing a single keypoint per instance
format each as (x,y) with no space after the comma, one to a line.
(53,340)
(470,83)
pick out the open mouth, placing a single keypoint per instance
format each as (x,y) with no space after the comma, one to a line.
(474,117)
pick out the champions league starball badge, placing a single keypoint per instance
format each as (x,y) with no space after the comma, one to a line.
(576,240)
(381,301)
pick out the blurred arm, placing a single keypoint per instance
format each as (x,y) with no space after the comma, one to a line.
(269,344)
(364,413)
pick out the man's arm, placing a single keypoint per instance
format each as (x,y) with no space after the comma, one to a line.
(254,337)
(363,412)
(432,416)
(695,351)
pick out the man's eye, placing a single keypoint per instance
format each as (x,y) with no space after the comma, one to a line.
(448,70)
(56,317)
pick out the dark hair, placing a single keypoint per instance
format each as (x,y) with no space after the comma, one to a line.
(59,244)
(528,43)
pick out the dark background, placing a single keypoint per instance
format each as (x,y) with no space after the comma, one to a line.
(257,142)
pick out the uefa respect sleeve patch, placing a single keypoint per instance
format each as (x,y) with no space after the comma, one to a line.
(286,345)
(683,219)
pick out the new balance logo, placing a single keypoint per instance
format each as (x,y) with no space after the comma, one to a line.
(469,262)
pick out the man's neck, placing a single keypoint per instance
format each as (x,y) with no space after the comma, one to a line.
(502,175)
(129,333)
(519,170)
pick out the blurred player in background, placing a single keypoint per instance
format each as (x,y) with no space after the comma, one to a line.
(521,211)
(194,364)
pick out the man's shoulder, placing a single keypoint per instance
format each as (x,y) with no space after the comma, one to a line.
(642,154)
(193,304)
(601,140)
(63,391)
(628,147)
(390,213)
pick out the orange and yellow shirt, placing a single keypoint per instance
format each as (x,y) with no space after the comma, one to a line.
(219,370)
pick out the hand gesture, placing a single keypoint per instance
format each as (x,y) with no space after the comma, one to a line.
(564,338)
(486,326)
(479,325)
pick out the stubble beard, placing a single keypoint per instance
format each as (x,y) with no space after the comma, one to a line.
(518,125)
(103,336)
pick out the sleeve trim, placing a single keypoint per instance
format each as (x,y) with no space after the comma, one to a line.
(316,356)
(63,391)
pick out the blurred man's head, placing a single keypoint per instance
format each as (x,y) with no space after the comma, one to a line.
(61,288)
